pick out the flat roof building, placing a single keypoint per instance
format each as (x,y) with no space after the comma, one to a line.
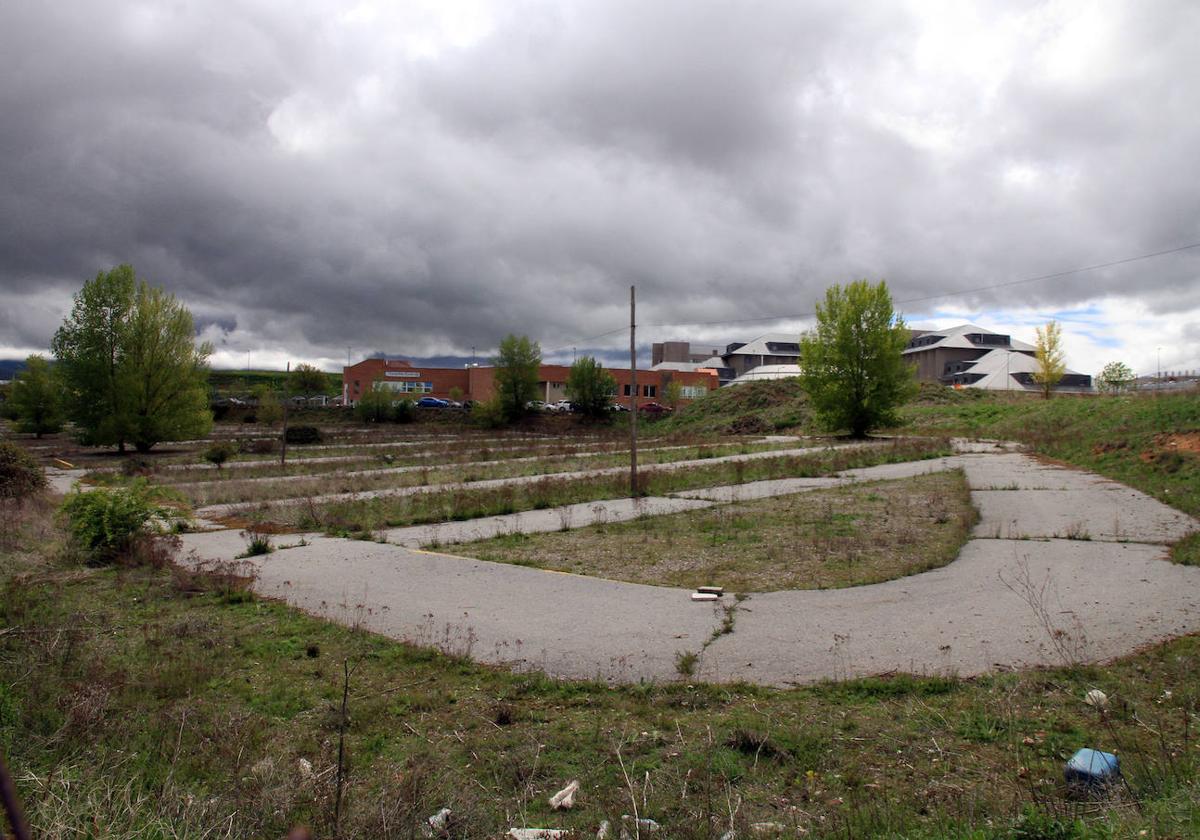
(477,382)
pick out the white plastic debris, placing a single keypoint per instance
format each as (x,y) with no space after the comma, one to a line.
(643,824)
(602,832)
(767,827)
(565,798)
(729,835)
(536,833)
(1096,698)
(436,825)
(305,767)
(704,596)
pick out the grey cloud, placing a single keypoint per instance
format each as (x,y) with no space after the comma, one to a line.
(310,184)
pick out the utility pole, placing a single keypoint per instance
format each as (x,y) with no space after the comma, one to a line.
(633,394)
(283,447)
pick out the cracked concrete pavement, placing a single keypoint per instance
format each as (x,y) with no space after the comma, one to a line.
(1018,595)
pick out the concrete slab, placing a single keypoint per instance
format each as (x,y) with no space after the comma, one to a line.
(565,625)
(1004,603)
(1111,513)
(1021,472)
(63,481)
(540,521)
(759,489)
(906,469)
(1108,599)
(216,511)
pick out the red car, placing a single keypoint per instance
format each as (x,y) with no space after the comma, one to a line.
(654,408)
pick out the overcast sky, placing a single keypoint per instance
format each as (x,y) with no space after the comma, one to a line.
(425,177)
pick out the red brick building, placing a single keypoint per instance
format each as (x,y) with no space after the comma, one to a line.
(478,383)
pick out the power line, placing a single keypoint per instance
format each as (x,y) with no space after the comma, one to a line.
(958,293)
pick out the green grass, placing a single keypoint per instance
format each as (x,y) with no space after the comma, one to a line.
(140,703)
(750,408)
(1125,438)
(466,502)
(846,536)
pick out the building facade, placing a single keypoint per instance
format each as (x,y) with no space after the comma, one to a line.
(968,356)
(477,383)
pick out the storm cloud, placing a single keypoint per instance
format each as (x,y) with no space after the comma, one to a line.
(427,177)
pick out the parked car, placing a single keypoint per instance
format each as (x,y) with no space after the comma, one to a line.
(535,405)
(432,402)
(561,405)
(618,406)
(654,409)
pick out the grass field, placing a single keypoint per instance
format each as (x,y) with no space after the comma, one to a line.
(364,516)
(848,536)
(141,702)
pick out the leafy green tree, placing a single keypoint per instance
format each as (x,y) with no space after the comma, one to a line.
(853,370)
(1049,358)
(673,393)
(164,374)
(88,347)
(590,387)
(1115,377)
(518,364)
(375,404)
(37,398)
(267,409)
(308,380)
(131,370)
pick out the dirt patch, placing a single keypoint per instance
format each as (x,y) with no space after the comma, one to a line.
(1188,442)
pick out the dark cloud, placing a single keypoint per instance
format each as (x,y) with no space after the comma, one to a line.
(426,181)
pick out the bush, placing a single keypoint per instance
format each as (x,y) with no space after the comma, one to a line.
(404,411)
(218,454)
(303,434)
(374,406)
(20,475)
(106,525)
(489,414)
(137,466)
(258,446)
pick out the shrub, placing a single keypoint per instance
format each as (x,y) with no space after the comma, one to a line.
(105,525)
(20,475)
(258,542)
(374,406)
(405,411)
(303,434)
(137,465)
(218,454)
(258,446)
(489,414)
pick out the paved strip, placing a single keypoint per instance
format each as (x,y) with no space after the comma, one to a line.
(299,458)
(540,521)
(411,468)
(565,625)
(1105,599)
(1003,603)
(218,511)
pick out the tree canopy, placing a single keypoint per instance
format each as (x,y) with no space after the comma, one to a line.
(1049,357)
(517,366)
(131,369)
(37,398)
(1115,377)
(590,387)
(308,380)
(853,370)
